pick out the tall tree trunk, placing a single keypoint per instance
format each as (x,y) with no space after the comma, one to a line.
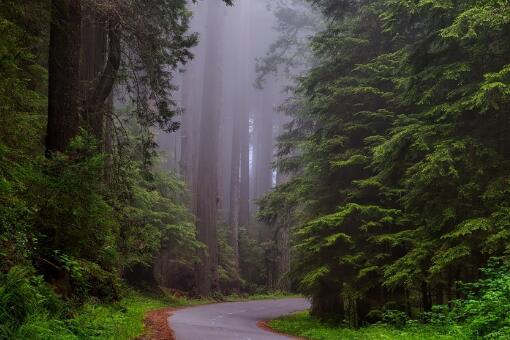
(207,192)
(244,196)
(225,151)
(263,120)
(244,114)
(240,87)
(264,140)
(283,257)
(235,189)
(283,225)
(108,143)
(95,104)
(100,61)
(93,55)
(190,131)
(192,102)
(186,131)
(64,74)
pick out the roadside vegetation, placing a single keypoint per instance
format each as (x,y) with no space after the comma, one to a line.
(398,162)
(304,325)
(483,313)
(29,309)
(260,296)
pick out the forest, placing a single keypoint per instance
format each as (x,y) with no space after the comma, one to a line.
(159,153)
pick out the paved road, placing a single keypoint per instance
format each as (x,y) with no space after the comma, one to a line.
(232,320)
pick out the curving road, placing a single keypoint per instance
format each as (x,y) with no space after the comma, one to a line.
(232,320)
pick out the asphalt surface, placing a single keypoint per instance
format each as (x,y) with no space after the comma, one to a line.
(232,320)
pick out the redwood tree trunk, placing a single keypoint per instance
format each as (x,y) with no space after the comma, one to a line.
(263,119)
(283,257)
(93,52)
(244,113)
(192,102)
(64,74)
(235,189)
(207,191)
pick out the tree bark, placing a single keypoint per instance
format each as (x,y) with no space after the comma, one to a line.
(235,189)
(207,193)
(93,54)
(264,115)
(100,61)
(282,228)
(64,74)
(244,113)
(96,100)
(192,103)
(283,257)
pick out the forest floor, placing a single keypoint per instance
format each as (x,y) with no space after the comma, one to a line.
(156,325)
(305,326)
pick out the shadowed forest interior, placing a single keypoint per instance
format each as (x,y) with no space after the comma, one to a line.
(159,152)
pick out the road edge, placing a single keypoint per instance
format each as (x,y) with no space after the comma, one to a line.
(156,325)
(264,325)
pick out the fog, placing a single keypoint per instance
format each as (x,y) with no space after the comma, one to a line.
(232,50)
(230,96)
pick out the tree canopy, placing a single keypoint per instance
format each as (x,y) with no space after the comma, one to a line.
(399,154)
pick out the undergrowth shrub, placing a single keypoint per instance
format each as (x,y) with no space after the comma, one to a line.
(485,311)
(439,315)
(75,217)
(395,318)
(87,279)
(24,297)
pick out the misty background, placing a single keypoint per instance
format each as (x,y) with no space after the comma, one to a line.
(231,97)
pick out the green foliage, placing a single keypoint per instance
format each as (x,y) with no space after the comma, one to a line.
(251,263)
(484,312)
(75,217)
(22,109)
(23,81)
(31,310)
(22,296)
(395,318)
(76,222)
(228,271)
(398,153)
(156,215)
(304,325)
(121,320)
(16,215)
(151,204)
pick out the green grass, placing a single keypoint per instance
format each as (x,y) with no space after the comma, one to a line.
(122,320)
(119,321)
(303,325)
(260,296)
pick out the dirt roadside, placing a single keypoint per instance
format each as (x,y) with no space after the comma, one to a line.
(156,325)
